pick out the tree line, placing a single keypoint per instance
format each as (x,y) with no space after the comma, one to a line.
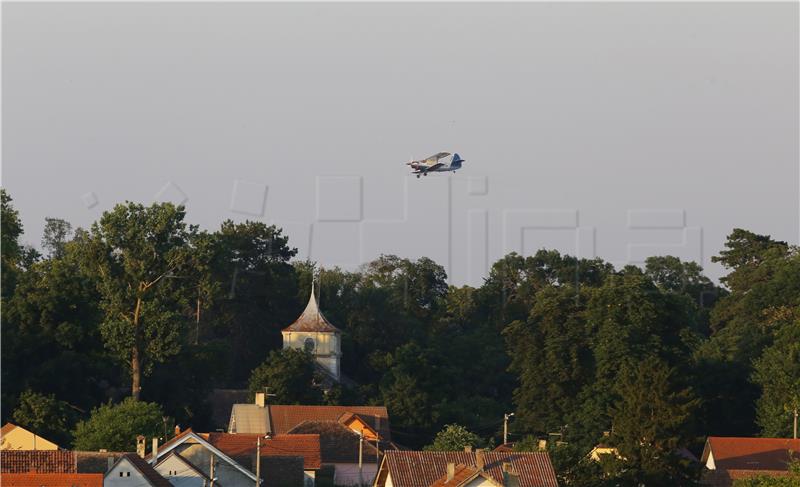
(649,359)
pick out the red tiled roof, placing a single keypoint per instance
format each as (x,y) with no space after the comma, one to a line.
(751,453)
(41,461)
(285,417)
(424,468)
(153,477)
(462,473)
(51,480)
(239,445)
(312,319)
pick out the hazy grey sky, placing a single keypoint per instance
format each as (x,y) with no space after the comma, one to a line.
(617,130)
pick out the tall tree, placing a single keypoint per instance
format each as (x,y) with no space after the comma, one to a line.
(56,234)
(777,372)
(651,418)
(139,257)
(10,248)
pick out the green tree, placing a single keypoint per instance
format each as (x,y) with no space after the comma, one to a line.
(551,356)
(651,419)
(138,256)
(56,234)
(777,372)
(54,315)
(115,427)
(10,248)
(291,375)
(44,415)
(250,289)
(453,437)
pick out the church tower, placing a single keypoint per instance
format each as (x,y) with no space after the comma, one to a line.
(314,333)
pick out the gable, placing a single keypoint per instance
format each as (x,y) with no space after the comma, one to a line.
(13,437)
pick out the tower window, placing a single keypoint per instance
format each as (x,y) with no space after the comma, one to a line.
(309,345)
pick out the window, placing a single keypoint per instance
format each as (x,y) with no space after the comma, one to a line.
(309,345)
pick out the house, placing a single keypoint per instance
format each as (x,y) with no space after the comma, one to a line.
(199,452)
(13,437)
(312,332)
(727,459)
(342,448)
(242,448)
(51,479)
(278,469)
(261,418)
(428,468)
(130,470)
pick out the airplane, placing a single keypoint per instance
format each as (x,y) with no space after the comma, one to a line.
(431,164)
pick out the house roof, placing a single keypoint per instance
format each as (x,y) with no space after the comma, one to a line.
(732,453)
(462,474)
(312,319)
(183,460)
(424,468)
(202,439)
(285,417)
(153,478)
(94,461)
(241,447)
(338,443)
(249,418)
(52,480)
(175,440)
(40,461)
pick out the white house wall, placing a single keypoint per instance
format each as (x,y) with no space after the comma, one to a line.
(130,476)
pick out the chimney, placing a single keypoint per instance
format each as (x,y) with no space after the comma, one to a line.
(468,448)
(140,445)
(177,429)
(155,448)
(110,463)
(261,399)
(480,461)
(451,471)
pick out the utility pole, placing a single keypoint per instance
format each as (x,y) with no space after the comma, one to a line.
(211,471)
(360,455)
(258,461)
(505,426)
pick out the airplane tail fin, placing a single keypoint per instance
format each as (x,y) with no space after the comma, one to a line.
(457,160)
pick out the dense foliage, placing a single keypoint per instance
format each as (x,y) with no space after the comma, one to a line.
(650,360)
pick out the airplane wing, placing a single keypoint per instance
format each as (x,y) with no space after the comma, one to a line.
(434,158)
(434,167)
